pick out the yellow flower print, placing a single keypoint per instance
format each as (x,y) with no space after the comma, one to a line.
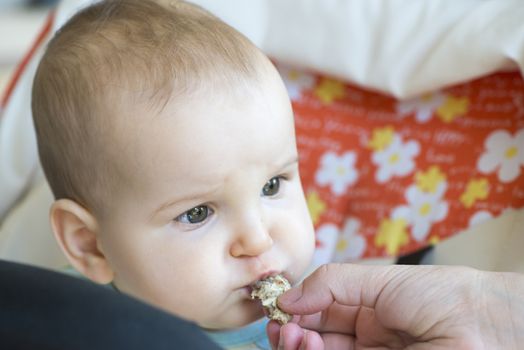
(423,106)
(433,240)
(392,234)
(476,189)
(452,108)
(428,181)
(329,89)
(315,205)
(293,75)
(381,138)
(342,245)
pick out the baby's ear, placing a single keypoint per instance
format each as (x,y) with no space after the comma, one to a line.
(76,231)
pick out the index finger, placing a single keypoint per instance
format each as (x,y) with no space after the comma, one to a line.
(346,284)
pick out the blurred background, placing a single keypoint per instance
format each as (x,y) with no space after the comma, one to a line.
(438,95)
(20,21)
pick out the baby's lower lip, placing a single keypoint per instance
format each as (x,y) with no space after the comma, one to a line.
(246,291)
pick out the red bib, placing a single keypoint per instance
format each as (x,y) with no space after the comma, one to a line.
(385,177)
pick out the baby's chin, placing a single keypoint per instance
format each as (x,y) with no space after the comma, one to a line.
(247,312)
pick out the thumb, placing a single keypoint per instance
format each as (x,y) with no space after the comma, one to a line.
(346,284)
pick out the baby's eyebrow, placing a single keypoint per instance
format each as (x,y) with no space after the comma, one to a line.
(190,197)
(291,161)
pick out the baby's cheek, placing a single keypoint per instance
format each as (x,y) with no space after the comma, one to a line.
(308,243)
(185,295)
(309,250)
(300,244)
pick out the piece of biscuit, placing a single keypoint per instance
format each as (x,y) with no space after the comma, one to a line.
(268,290)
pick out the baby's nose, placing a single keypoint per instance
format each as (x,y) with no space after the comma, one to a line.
(251,240)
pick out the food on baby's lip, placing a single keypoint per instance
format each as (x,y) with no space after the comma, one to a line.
(268,290)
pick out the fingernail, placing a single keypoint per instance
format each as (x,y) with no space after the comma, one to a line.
(280,340)
(291,296)
(303,344)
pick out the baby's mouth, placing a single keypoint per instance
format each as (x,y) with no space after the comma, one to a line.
(267,290)
(271,274)
(256,284)
(249,288)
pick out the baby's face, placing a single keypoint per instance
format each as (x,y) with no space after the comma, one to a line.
(214,203)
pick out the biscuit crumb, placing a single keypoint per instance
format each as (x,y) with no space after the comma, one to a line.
(268,290)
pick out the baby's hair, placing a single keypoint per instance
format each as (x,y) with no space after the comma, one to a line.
(115,55)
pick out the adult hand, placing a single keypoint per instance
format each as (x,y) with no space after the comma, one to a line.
(343,306)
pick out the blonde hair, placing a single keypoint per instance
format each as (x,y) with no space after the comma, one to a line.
(103,55)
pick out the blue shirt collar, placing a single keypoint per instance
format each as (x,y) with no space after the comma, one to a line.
(253,333)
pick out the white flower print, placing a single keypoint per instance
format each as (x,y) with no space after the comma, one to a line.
(295,81)
(395,160)
(350,246)
(423,209)
(479,217)
(422,106)
(337,171)
(327,236)
(503,153)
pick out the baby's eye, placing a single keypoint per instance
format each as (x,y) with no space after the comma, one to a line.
(271,187)
(194,215)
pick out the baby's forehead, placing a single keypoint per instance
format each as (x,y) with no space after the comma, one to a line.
(204,123)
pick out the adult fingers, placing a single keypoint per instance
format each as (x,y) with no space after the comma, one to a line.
(314,341)
(337,341)
(288,336)
(346,284)
(336,318)
(292,337)
(273,333)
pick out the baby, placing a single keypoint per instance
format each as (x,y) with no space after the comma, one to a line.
(168,141)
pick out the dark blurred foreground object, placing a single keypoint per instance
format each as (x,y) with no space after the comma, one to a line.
(42,309)
(414,258)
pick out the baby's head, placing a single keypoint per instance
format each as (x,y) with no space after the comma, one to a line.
(168,141)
